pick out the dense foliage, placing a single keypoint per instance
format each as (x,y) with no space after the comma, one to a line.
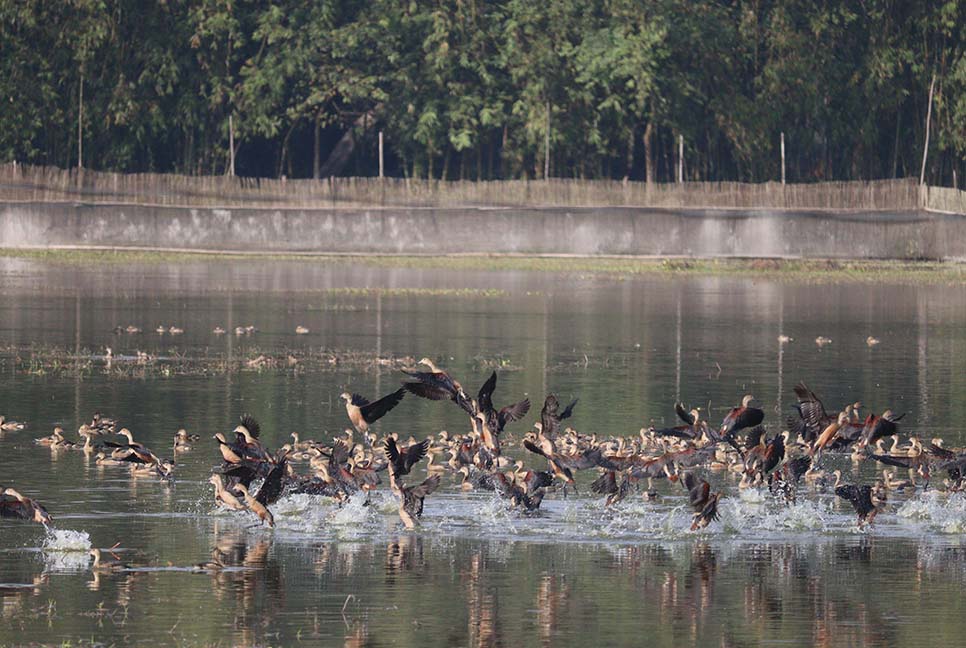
(473,89)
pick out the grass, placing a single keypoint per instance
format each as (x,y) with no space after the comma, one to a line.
(812,270)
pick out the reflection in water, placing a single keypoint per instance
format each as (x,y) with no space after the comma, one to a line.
(474,574)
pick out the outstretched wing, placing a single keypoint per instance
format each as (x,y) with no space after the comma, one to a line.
(425,390)
(428,485)
(372,412)
(249,423)
(568,411)
(513,412)
(484,398)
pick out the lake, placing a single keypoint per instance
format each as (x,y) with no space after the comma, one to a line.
(474,573)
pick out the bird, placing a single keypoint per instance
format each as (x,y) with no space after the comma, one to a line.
(102,564)
(362,413)
(822,341)
(692,429)
(865,499)
(183,440)
(256,507)
(871,341)
(437,384)
(402,460)
(702,500)
(411,499)
(494,421)
(225,496)
(15,505)
(10,426)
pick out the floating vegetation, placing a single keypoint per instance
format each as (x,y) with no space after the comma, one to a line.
(50,360)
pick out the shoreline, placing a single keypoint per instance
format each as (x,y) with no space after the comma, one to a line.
(807,270)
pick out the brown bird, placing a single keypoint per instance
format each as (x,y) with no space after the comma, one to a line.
(411,500)
(362,413)
(702,500)
(15,505)
(864,499)
(436,384)
(256,507)
(493,420)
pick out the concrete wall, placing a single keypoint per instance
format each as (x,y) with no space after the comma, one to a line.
(584,231)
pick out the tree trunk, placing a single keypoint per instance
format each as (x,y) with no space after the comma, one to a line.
(316,158)
(629,166)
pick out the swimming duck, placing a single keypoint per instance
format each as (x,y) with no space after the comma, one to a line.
(822,341)
(218,330)
(871,341)
(301,330)
(55,440)
(183,440)
(103,564)
(10,426)
(161,330)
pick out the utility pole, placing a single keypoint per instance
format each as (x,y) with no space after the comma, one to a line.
(783,157)
(231,146)
(546,144)
(381,164)
(925,148)
(680,159)
(80,124)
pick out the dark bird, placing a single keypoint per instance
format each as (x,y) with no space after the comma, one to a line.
(739,418)
(17,506)
(811,416)
(271,489)
(607,485)
(550,418)
(693,426)
(877,427)
(516,494)
(864,500)
(402,460)
(702,500)
(436,384)
(246,436)
(411,500)
(493,420)
(362,413)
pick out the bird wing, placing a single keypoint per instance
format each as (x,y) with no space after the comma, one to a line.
(249,423)
(534,448)
(427,486)
(372,412)
(416,452)
(271,488)
(859,496)
(568,411)
(606,484)
(753,437)
(513,412)
(688,481)
(485,396)
(683,414)
(428,390)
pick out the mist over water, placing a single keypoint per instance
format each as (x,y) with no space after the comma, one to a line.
(474,573)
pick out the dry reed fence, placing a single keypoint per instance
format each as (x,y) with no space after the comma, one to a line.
(47,184)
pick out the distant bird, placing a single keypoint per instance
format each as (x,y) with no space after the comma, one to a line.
(10,426)
(784,339)
(822,341)
(362,413)
(218,331)
(301,330)
(871,341)
(102,564)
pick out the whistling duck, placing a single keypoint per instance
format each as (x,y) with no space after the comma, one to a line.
(231,452)
(784,339)
(10,426)
(890,483)
(245,330)
(256,507)
(516,495)
(301,330)
(55,440)
(702,500)
(15,505)
(213,565)
(132,330)
(436,384)
(411,499)
(822,341)
(246,436)
(739,418)
(161,330)
(102,425)
(402,460)
(549,417)
(494,421)
(218,330)
(828,434)
(607,484)
(103,564)
(225,496)
(102,459)
(866,500)
(871,341)
(877,427)
(692,429)
(362,413)
(183,440)
(175,330)
(812,417)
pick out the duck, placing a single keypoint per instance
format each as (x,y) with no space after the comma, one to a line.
(437,384)
(256,507)
(362,413)
(871,341)
(175,330)
(132,330)
(15,505)
(224,496)
(183,440)
(102,564)
(218,331)
(301,330)
(10,426)
(411,499)
(866,500)
(161,330)
(55,440)
(822,341)
(702,500)
(785,339)
(402,460)
(890,483)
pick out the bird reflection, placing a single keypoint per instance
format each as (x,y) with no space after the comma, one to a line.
(403,554)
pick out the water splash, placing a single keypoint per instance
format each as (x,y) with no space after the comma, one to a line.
(66,550)
(942,512)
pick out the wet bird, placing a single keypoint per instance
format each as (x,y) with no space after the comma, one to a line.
(17,506)
(866,500)
(692,429)
(225,496)
(550,418)
(739,418)
(183,440)
(246,437)
(702,500)
(516,495)
(411,499)
(811,416)
(256,507)
(877,427)
(608,485)
(362,413)
(494,421)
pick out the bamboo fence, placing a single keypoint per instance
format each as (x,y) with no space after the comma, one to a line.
(24,183)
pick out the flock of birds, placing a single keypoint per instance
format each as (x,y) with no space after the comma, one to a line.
(252,478)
